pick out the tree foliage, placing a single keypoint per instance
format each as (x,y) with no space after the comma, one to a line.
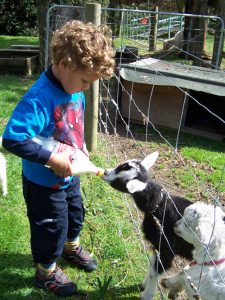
(18,17)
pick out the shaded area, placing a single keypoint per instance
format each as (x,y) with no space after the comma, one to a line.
(199,118)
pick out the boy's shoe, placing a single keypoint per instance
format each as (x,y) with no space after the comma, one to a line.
(81,258)
(56,281)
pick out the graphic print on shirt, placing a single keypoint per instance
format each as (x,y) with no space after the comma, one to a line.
(69,125)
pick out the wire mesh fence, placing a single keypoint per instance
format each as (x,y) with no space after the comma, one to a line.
(183,37)
(138,35)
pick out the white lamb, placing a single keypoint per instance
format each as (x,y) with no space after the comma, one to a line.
(204,227)
(176,41)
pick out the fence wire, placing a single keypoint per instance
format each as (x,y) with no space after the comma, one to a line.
(137,29)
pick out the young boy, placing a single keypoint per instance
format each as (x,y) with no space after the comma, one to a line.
(54,107)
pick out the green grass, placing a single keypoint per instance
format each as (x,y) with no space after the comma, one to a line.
(203,158)
(6,41)
(206,159)
(11,89)
(108,231)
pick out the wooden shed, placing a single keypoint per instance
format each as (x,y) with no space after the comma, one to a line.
(170,94)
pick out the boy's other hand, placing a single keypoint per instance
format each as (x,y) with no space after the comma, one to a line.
(60,163)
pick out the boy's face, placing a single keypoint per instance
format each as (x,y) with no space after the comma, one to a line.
(75,80)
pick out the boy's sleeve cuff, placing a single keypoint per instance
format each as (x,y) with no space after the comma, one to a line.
(27,149)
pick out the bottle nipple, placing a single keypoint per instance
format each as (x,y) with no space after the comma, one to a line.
(100,173)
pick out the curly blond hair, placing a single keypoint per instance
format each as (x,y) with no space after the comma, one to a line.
(84,46)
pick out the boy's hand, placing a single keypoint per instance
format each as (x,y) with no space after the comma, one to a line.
(60,163)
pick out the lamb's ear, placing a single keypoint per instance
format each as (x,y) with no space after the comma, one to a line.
(149,160)
(135,185)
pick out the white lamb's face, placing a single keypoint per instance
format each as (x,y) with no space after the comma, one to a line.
(187,225)
(199,222)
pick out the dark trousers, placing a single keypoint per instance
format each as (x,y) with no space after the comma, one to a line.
(55,215)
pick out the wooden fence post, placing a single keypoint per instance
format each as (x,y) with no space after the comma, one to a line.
(93,15)
(153,31)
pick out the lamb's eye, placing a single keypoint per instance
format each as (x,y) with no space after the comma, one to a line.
(195,213)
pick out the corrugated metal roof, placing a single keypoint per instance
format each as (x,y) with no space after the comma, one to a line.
(159,72)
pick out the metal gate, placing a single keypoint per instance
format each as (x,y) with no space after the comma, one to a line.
(155,34)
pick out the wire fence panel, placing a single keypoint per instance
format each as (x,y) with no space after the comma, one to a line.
(149,95)
(192,38)
(161,35)
(57,16)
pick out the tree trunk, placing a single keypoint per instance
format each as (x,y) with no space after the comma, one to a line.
(218,43)
(114,19)
(195,30)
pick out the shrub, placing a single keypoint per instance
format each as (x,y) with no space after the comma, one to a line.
(18,17)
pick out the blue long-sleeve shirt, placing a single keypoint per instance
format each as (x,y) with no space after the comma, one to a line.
(45,110)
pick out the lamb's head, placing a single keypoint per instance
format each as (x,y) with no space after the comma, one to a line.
(201,223)
(132,175)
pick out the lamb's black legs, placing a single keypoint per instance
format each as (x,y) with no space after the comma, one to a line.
(155,272)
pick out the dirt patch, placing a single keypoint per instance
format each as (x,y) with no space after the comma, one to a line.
(134,142)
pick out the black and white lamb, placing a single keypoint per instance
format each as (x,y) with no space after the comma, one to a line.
(161,212)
